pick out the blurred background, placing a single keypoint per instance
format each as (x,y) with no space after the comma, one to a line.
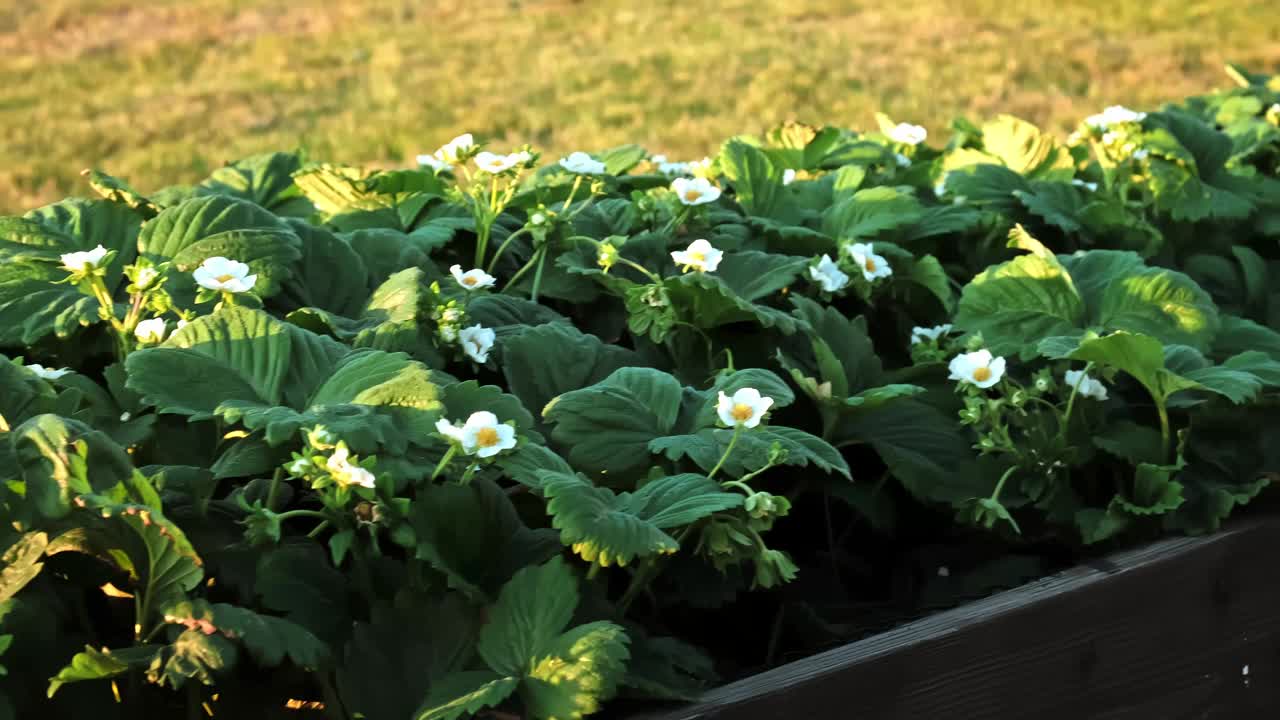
(162,91)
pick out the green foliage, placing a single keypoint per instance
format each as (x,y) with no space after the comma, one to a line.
(482,440)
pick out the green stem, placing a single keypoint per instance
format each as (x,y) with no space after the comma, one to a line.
(482,241)
(737,430)
(274,492)
(524,269)
(1166,435)
(228,299)
(740,484)
(1071,401)
(318,529)
(995,494)
(301,513)
(444,461)
(573,191)
(593,572)
(644,575)
(537,274)
(503,248)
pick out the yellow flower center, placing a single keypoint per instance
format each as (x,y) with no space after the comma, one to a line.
(741,412)
(225,278)
(870,265)
(487,437)
(982,374)
(696,256)
(469,280)
(692,195)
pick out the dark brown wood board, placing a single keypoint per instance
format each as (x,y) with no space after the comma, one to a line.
(1182,629)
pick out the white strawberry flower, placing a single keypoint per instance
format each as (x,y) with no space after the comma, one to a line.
(1090,186)
(434,163)
(788,176)
(908,134)
(695,191)
(920,334)
(451,432)
(219,273)
(473,279)
(476,342)
(978,368)
(657,159)
(146,276)
(483,436)
(828,275)
(1141,154)
(150,331)
(1114,115)
(347,472)
(701,168)
(700,256)
(1085,385)
(745,408)
(495,164)
(673,168)
(84,260)
(451,152)
(873,266)
(47,373)
(582,164)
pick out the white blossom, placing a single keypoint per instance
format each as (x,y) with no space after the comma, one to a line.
(700,256)
(472,279)
(828,275)
(476,342)
(788,176)
(1085,385)
(483,436)
(920,334)
(434,163)
(1114,115)
(1090,186)
(908,134)
(873,266)
(695,191)
(582,164)
(657,159)
(451,152)
(347,472)
(495,164)
(47,373)
(219,273)
(978,368)
(745,408)
(83,260)
(450,431)
(150,331)
(673,168)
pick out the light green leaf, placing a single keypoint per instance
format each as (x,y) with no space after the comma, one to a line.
(534,607)
(608,425)
(870,212)
(612,529)
(574,676)
(60,459)
(270,640)
(757,183)
(92,664)
(463,694)
(1025,150)
(193,656)
(1029,297)
(21,563)
(266,180)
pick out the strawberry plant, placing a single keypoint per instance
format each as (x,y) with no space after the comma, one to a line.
(504,437)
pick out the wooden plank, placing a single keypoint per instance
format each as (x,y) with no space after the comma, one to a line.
(1183,629)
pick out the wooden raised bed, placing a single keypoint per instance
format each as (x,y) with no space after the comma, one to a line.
(1183,628)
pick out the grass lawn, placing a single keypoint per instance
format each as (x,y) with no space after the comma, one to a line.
(161,91)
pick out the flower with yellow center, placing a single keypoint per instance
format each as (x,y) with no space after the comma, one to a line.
(346,472)
(219,273)
(150,331)
(494,164)
(82,261)
(873,266)
(694,191)
(745,408)
(700,256)
(471,279)
(47,373)
(482,435)
(977,368)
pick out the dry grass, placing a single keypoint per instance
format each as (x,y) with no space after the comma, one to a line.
(161,91)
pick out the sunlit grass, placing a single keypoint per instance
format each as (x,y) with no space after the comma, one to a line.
(163,91)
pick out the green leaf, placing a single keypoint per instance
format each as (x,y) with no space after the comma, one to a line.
(1154,491)
(534,367)
(667,668)
(23,395)
(193,656)
(928,273)
(1025,150)
(296,579)
(463,694)
(1027,298)
(330,275)
(608,426)
(577,673)
(34,302)
(707,446)
(218,225)
(473,535)
(92,664)
(757,183)
(266,180)
(60,459)
(1130,441)
(270,640)
(1141,356)
(22,563)
(608,528)
(533,608)
(870,212)
(730,295)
